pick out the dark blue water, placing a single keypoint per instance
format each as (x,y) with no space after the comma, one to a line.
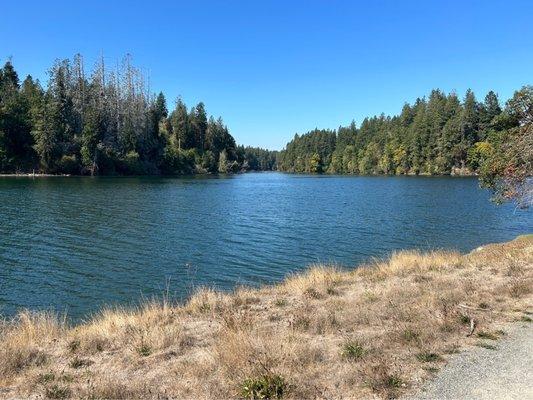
(75,244)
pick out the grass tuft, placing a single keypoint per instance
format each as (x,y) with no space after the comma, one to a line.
(352,350)
(264,387)
(46,377)
(487,335)
(487,346)
(58,392)
(144,350)
(77,362)
(428,357)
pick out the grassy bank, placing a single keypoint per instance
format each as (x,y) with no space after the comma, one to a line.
(373,332)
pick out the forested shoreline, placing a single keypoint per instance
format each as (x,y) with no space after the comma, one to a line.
(440,135)
(107,122)
(434,136)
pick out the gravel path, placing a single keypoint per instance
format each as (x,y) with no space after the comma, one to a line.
(479,373)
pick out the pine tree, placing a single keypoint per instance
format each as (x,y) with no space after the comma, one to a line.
(198,120)
(15,123)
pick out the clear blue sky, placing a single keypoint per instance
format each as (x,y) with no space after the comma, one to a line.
(274,68)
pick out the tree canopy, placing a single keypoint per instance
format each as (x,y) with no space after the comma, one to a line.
(440,134)
(108,122)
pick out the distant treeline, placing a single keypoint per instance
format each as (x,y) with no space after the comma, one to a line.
(108,122)
(441,134)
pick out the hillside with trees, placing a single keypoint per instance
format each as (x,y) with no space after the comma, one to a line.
(441,134)
(107,122)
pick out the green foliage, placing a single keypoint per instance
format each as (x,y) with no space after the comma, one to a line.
(223,162)
(432,136)
(177,161)
(99,125)
(479,154)
(315,163)
(144,350)
(428,357)
(265,387)
(257,159)
(133,164)
(352,350)
(508,169)
(69,164)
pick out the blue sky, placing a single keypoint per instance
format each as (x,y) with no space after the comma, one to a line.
(274,68)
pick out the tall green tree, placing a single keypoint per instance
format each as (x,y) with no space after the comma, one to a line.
(181,131)
(15,122)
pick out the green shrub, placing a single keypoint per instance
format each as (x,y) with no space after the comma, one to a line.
(144,350)
(69,165)
(352,350)
(264,387)
(487,335)
(178,161)
(428,357)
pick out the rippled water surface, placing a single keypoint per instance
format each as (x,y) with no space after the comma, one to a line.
(74,244)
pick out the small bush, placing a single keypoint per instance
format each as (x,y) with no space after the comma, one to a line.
(280,302)
(265,387)
(45,378)
(144,350)
(487,335)
(352,350)
(58,392)
(428,357)
(332,291)
(394,381)
(68,164)
(486,346)
(79,363)
(74,345)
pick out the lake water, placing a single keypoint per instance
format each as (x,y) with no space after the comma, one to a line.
(74,244)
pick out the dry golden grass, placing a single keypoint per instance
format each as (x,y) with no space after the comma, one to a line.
(372,332)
